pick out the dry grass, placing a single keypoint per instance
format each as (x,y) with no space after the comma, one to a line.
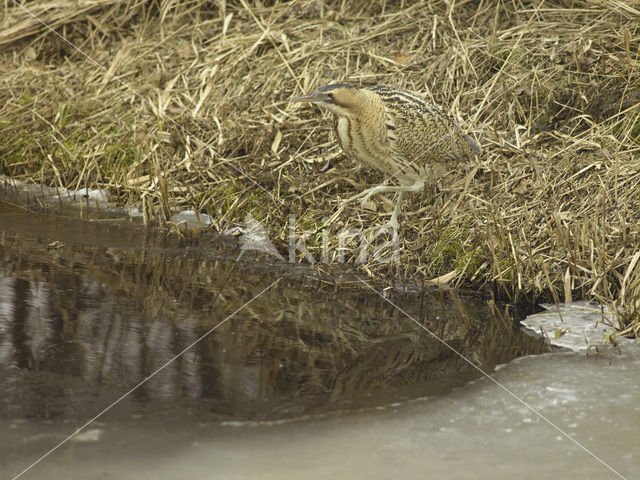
(198,116)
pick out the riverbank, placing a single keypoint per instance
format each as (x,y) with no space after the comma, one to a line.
(186,108)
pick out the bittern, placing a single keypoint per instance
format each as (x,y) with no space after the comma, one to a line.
(394,131)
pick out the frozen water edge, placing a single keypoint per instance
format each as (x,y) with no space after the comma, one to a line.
(476,431)
(579,325)
(82,195)
(96,198)
(191,219)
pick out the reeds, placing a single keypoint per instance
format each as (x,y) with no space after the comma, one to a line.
(197,116)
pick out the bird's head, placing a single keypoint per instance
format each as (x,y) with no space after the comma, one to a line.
(339,98)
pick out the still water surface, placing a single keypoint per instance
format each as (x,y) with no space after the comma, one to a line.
(307,378)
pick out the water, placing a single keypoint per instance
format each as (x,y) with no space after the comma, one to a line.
(306,380)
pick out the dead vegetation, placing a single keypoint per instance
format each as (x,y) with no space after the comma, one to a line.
(185,105)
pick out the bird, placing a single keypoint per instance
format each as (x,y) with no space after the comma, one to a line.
(394,131)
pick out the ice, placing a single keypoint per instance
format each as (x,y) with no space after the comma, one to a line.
(191,220)
(579,325)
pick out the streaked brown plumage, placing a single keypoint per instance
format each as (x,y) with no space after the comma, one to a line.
(394,131)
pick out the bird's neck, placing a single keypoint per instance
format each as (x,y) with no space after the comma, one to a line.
(361,132)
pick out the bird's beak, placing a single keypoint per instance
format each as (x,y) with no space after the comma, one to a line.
(313,97)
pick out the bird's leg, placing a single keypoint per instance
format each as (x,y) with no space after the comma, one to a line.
(393,222)
(366,194)
(415,187)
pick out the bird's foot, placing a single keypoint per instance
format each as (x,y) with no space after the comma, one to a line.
(392,225)
(365,195)
(382,242)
